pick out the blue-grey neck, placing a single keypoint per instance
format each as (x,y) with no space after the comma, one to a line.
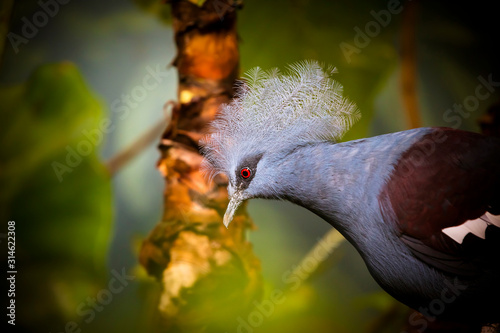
(341,182)
(338,182)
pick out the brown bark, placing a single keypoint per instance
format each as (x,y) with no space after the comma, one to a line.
(209,274)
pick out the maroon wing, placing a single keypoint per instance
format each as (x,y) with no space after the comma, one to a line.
(445,179)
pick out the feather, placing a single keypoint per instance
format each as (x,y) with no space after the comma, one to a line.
(272,110)
(476,227)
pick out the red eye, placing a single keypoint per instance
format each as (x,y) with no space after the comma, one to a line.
(245,173)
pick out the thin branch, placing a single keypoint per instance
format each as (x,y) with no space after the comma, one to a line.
(118,161)
(327,244)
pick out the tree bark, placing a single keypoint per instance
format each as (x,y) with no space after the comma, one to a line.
(209,274)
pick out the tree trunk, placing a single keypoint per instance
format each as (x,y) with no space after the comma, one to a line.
(209,274)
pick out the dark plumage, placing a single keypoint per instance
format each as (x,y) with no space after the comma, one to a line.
(421,206)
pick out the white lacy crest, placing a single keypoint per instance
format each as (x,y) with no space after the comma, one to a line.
(272,110)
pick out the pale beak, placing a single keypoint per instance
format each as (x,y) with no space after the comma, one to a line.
(234,202)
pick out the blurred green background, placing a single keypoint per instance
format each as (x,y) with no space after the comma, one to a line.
(66,80)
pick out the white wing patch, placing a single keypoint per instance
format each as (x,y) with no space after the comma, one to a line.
(476,227)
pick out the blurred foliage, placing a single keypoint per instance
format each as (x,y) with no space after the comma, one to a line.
(62,221)
(158,8)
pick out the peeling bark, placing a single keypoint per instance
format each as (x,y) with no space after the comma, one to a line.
(209,274)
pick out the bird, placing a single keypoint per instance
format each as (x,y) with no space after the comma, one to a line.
(421,206)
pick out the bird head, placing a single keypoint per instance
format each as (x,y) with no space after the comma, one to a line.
(272,113)
(242,185)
